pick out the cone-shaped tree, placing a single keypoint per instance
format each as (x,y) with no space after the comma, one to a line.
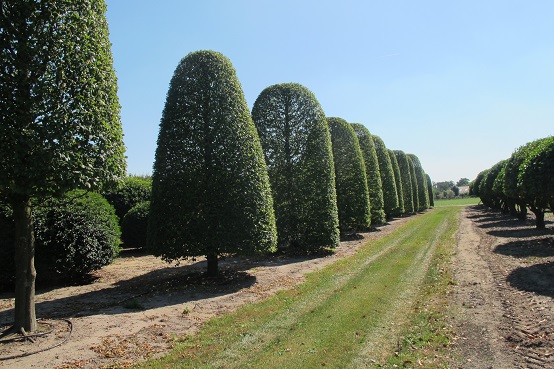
(405,175)
(210,188)
(398,180)
(59,116)
(373,175)
(390,195)
(430,190)
(415,190)
(297,146)
(350,177)
(422,193)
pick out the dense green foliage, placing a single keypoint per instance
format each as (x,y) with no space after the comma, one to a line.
(74,235)
(430,190)
(134,225)
(210,187)
(415,189)
(522,181)
(297,146)
(350,177)
(406,177)
(59,111)
(398,180)
(422,192)
(373,174)
(59,116)
(390,194)
(129,192)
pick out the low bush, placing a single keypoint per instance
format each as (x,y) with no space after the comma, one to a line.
(74,236)
(133,227)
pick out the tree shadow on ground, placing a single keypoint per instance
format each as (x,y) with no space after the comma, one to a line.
(177,284)
(538,247)
(537,278)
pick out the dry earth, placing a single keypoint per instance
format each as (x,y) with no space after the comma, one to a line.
(503,300)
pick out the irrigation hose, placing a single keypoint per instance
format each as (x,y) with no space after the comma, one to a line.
(69,322)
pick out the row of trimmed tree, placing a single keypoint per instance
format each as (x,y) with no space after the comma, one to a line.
(230,181)
(523,181)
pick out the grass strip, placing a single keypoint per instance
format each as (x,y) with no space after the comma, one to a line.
(347,315)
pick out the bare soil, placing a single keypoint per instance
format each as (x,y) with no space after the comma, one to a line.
(139,306)
(504,298)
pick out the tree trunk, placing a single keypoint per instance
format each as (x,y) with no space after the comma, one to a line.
(213,267)
(539,219)
(25,316)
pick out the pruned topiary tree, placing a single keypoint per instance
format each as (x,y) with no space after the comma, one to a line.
(373,175)
(398,180)
(422,193)
(297,146)
(350,177)
(59,116)
(390,195)
(210,188)
(430,190)
(405,175)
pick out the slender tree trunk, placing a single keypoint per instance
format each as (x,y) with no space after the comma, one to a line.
(539,219)
(25,316)
(213,267)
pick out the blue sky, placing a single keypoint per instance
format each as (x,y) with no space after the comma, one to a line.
(460,84)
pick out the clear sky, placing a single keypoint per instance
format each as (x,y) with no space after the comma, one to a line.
(460,84)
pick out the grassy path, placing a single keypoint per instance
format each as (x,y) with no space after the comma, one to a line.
(348,315)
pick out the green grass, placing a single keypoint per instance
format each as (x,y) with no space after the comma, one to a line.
(350,314)
(457,202)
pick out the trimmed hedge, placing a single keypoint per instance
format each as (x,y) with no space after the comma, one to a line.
(74,236)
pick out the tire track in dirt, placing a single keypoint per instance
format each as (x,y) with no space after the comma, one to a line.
(500,324)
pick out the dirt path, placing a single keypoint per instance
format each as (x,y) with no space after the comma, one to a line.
(139,305)
(504,295)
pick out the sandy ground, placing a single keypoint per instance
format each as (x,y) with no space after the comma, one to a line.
(138,306)
(504,297)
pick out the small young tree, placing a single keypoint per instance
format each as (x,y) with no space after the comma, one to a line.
(59,116)
(390,195)
(422,193)
(210,188)
(297,146)
(351,181)
(405,175)
(398,180)
(373,175)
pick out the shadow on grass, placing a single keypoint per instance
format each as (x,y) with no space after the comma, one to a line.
(538,247)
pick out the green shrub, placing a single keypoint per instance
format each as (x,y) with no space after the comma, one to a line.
(390,195)
(74,236)
(406,177)
(422,193)
(400,210)
(134,224)
(128,193)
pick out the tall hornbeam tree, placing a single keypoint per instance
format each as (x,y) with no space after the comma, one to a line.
(373,175)
(406,177)
(297,146)
(390,194)
(210,186)
(422,193)
(59,116)
(351,181)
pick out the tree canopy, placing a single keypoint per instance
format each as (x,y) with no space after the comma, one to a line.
(210,187)
(398,180)
(351,182)
(297,147)
(422,193)
(406,177)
